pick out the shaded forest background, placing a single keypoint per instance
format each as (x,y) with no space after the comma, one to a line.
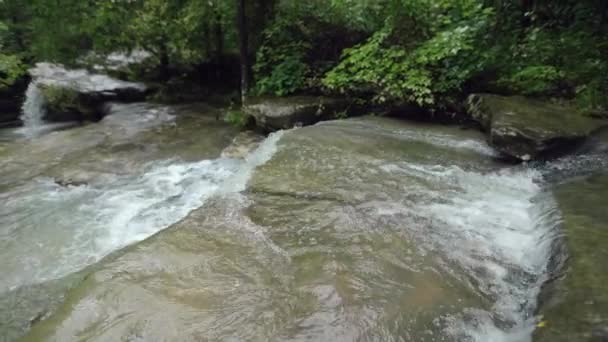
(428,52)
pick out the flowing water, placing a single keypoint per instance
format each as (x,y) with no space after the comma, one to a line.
(33,114)
(33,107)
(369,229)
(33,110)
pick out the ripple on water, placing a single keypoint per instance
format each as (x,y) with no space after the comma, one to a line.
(346,233)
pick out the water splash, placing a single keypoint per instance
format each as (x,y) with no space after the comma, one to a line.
(33,109)
(62,230)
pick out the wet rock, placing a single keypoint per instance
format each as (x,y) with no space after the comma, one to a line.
(242,145)
(575,306)
(8,118)
(598,113)
(77,95)
(70,182)
(272,114)
(324,233)
(11,99)
(10,107)
(9,110)
(528,129)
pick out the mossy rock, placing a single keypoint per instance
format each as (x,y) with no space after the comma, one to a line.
(66,104)
(528,129)
(272,114)
(77,95)
(575,306)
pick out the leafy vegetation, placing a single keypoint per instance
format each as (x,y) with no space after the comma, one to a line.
(431,53)
(11,66)
(60,99)
(237,118)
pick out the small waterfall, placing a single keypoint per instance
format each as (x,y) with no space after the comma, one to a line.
(33,109)
(89,222)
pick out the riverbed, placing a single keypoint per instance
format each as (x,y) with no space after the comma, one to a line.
(144,227)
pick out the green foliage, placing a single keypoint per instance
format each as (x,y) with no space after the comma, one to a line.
(424,71)
(429,52)
(286,77)
(11,65)
(592,95)
(237,118)
(280,67)
(305,39)
(534,80)
(60,99)
(11,69)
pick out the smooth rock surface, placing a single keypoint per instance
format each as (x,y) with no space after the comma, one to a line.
(577,304)
(139,170)
(77,95)
(354,230)
(528,129)
(272,114)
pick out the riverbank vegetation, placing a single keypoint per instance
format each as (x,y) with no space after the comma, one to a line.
(428,52)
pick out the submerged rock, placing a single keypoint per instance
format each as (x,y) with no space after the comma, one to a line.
(77,95)
(575,306)
(242,145)
(272,114)
(363,229)
(527,129)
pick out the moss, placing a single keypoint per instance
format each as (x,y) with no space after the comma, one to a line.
(60,98)
(237,118)
(531,116)
(578,307)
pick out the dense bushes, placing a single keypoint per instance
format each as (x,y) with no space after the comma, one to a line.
(12,67)
(303,42)
(427,52)
(433,52)
(425,69)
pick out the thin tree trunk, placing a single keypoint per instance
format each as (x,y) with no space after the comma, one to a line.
(164,63)
(219,47)
(243,48)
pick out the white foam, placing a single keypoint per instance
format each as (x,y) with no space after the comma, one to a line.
(498,227)
(429,136)
(33,112)
(448,141)
(33,107)
(62,230)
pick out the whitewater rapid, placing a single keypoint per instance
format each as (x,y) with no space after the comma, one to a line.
(57,230)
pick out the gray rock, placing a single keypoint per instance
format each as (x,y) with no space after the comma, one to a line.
(272,114)
(8,114)
(77,95)
(527,129)
(243,144)
(575,305)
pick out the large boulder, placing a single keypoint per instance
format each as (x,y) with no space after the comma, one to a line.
(70,95)
(9,113)
(11,99)
(528,129)
(272,114)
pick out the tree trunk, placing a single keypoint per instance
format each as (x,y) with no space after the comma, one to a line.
(219,48)
(164,63)
(243,48)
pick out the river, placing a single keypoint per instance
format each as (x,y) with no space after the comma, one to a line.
(143,227)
